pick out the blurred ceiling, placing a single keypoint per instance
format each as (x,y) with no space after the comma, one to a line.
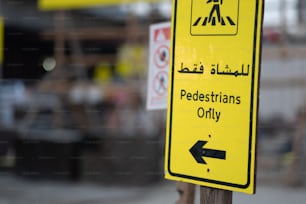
(25,14)
(88,36)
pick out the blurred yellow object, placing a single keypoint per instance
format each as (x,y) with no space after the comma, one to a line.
(288,158)
(1,39)
(103,73)
(74,4)
(131,61)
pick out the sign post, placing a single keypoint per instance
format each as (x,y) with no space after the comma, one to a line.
(213,93)
(215,196)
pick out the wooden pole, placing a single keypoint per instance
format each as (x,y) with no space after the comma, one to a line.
(186,192)
(215,196)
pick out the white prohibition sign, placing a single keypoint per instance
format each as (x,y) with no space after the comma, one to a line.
(162,56)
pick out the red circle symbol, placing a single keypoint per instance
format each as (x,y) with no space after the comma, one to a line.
(162,56)
(160,83)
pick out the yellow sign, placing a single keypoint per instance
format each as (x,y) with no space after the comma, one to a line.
(1,40)
(75,4)
(212,106)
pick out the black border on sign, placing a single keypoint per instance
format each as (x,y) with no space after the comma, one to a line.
(223,183)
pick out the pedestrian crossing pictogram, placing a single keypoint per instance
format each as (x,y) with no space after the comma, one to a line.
(214,17)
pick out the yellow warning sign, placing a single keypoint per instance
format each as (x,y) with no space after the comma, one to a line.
(213,93)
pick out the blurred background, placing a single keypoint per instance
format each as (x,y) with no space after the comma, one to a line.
(73,122)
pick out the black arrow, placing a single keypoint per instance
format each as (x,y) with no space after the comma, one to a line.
(198,152)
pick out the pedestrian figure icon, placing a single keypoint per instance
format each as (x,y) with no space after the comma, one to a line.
(215,9)
(210,16)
